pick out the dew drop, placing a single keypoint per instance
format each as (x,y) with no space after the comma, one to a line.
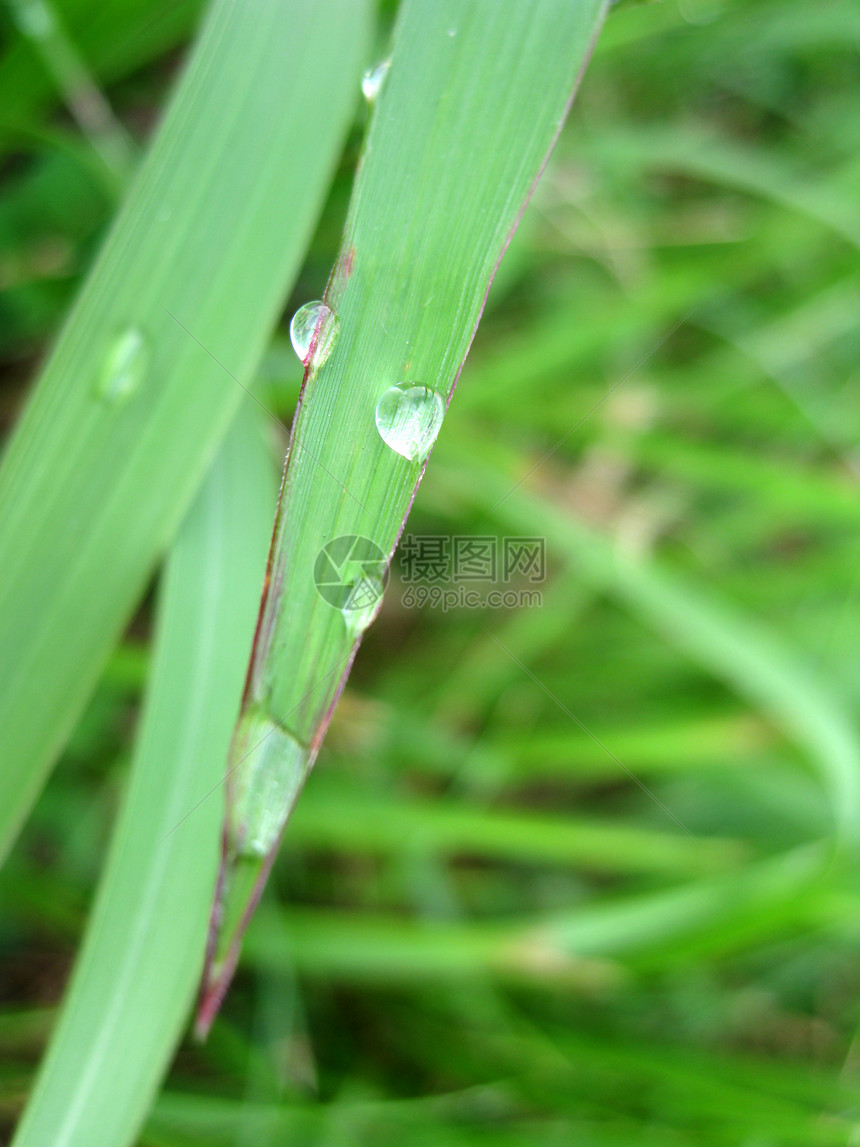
(264,784)
(373,79)
(408,419)
(363,604)
(124,366)
(313,333)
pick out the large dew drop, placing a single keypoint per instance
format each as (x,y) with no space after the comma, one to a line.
(363,604)
(264,784)
(409,418)
(125,364)
(373,79)
(313,333)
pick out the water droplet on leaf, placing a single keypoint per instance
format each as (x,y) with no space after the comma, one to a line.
(313,333)
(373,79)
(409,418)
(264,784)
(363,604)
(124,366)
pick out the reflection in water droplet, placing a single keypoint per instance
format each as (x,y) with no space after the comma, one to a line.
(373,79)
(264,784)
(124,366)
(363,604)
(408,419)
(313,333)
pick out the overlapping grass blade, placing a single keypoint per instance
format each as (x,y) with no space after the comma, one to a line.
(188,286)
(468,112)
(140,960)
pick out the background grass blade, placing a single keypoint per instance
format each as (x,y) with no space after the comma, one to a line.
(115,37)
(141,956)
(586,949)
(736,648)
(194,272)
(337,815)
(481,90)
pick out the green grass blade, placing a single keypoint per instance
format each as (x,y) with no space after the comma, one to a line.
(468,112)
(138,967)
(99,473)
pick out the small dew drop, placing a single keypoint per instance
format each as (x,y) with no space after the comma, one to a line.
(264,784)
(313,333)
(373,79)
(124,366)
(409,418)
(363,604)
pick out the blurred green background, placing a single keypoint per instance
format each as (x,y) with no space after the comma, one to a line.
(583,872)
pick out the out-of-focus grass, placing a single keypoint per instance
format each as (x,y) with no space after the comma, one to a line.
(437,963)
